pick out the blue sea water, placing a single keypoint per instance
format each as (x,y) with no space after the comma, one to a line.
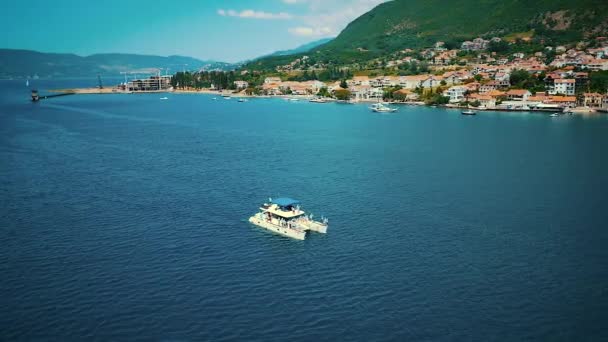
(124,217)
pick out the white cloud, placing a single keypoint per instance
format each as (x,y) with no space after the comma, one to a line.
(322,18)
(310,31)
(326,18)
(251,14)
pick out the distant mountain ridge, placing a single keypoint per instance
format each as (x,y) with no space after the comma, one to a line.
(302,48)
(27,63)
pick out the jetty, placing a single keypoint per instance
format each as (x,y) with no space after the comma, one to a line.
(37,97)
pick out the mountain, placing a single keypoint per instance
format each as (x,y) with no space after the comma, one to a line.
(411,24)
(24,63)
(396,25)
(302,48)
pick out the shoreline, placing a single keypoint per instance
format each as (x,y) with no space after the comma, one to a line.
(97,91)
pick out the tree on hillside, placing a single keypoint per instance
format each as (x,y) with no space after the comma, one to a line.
(518,77)
(342,94)
(598,82)
(499,47)
(323,92)
(343,84)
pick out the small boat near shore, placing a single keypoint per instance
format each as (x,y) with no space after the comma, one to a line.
(554,115)
(284,216)
(318,100)
(164,98)
(242,100)
(468,112)
(382,108)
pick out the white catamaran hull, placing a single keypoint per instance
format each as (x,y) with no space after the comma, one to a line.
(312,226)
(258,220)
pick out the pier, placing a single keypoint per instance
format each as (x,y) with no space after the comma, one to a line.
(37,97)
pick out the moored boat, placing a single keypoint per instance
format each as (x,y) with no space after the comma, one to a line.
(468,112)
(382,108)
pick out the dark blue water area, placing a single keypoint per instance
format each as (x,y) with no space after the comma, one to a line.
(124,217)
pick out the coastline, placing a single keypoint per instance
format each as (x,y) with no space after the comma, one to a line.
(97,91)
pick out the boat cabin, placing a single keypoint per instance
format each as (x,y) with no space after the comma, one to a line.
(285,208)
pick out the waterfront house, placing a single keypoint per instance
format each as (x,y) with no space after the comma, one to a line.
(592,100)
(456,93)
(518,94)
(241,84)
(484,100)
(366,93)
(564,86)
(272,88)
(561,101)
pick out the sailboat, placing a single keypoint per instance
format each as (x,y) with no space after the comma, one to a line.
(27,83)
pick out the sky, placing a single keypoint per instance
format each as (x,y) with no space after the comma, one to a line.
(222,30)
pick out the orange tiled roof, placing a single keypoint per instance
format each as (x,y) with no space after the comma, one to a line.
(517,92)
(562,98)
(495,93)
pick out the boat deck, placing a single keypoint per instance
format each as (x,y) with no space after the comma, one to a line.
(275,210)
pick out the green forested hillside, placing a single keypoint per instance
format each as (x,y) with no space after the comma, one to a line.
(413,24)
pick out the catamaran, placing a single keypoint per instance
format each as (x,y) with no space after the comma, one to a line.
(284,216)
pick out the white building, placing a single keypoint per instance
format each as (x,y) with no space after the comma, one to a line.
(456,93)
(269,80)
(563,86)
(241,84)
